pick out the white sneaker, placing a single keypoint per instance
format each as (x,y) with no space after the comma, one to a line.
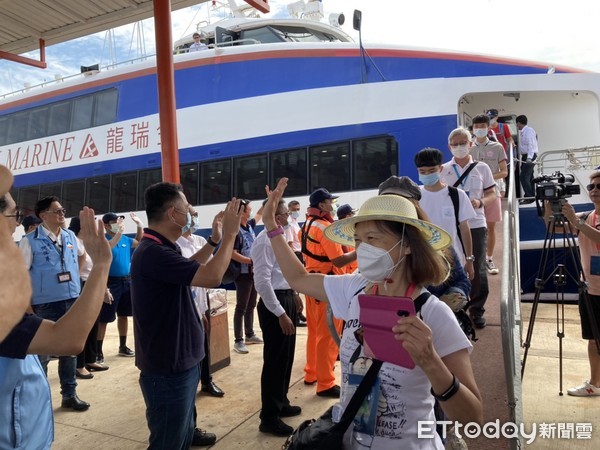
(254,340)
(491,267)
(585,390)
(240,347)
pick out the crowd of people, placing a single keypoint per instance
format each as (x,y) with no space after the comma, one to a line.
(431,242)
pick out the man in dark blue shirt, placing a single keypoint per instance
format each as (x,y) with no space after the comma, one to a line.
(169,339)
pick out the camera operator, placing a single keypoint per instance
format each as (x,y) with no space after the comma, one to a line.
(586,226)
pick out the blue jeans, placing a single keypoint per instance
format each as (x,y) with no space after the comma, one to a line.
(66,364)
(170,401)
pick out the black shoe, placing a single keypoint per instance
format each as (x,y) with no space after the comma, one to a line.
(212,389)
(84,376)
(333,392)
(74,403)
(203,438)
(526,201)
(478,320)
(276,427)
(301,323)
(290,411)
(126,351)
(309,383)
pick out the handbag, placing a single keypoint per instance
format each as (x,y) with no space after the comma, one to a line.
(323,433)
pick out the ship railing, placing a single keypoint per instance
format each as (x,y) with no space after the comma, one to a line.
(570,160)
(510,310)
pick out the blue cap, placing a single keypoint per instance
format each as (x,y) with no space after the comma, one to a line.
(320,195)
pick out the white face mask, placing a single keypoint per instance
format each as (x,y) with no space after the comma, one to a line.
(295,214)
(114,227)
(480,132)
(461,151)
(376,264)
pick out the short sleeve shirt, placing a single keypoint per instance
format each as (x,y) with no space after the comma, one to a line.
(121,263)
(17,342)
(169,337)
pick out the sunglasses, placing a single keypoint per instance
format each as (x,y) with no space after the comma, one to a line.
(590,187)
(61,211)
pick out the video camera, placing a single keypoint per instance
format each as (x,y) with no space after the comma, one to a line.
(555,189)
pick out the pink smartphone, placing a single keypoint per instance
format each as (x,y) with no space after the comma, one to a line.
(378,314)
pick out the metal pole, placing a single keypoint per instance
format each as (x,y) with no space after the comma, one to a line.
(166,90)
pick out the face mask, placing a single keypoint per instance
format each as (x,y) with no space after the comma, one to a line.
(114,227)
(194,226)
(461,151)
(429,179)
(334,208)
(188,223)
(376,264)
(493,122)
(295,214)
(480,132)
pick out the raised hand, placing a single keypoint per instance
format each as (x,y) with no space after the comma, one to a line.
(92,235)
(231,217)
(137,220)
(217,227)
(271,206)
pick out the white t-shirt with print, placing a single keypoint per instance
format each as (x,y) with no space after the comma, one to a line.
(439,208)
(405,396)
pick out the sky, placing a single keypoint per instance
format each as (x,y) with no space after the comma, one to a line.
(559,33)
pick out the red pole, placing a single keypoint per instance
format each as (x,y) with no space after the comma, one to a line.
(167,109)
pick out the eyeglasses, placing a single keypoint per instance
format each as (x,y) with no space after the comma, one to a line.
(62,211)
(17,215)
(286,214)
(459,144)
(590,187)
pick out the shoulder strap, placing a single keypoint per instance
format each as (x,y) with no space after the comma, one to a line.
(465,174)
(306,237)
(359,395)
(421,300)
(453,192)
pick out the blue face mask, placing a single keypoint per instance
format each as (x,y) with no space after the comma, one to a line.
(188,224)
(195,226)
(429,179)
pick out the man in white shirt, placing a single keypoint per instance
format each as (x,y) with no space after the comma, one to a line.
(277,311)
(478,183)
(198,44)
(439,207)
(528,149)
(190,245)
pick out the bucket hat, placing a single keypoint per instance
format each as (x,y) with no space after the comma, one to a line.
(390,208)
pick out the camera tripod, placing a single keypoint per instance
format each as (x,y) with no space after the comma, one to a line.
(560,276)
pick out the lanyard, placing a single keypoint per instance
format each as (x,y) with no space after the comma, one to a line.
(154,238)
(462,183)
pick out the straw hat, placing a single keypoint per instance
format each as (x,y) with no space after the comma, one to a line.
(391,208)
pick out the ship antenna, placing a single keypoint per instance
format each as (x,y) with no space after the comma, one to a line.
(356,23)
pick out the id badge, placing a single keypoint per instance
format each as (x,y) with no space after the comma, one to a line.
(64,277)
(595,265)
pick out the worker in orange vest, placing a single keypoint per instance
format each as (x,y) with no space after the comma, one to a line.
(326,257)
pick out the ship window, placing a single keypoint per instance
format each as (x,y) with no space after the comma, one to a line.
(290,164)
(28,197)
(188,175)
(250,177)
(18,127)
(38,123)
(4,130)
(215,182)
(124,192)
(60,118)
(147,178)
(51,190)
(330,167)
(374,161)
(264,35)
(106,107)
(73,197)
(83,108)
(97,194)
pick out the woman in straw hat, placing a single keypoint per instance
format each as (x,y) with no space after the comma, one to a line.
(397,255)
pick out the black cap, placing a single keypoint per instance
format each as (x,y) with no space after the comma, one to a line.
(492,113)
(402,186)
(344,211)
(30,220)
(320,195)
(109,217)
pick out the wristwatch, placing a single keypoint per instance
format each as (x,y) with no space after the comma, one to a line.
(470,258)
(580,222)
(276,232)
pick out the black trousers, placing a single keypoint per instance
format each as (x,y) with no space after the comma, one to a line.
(278,357)
(205,376)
